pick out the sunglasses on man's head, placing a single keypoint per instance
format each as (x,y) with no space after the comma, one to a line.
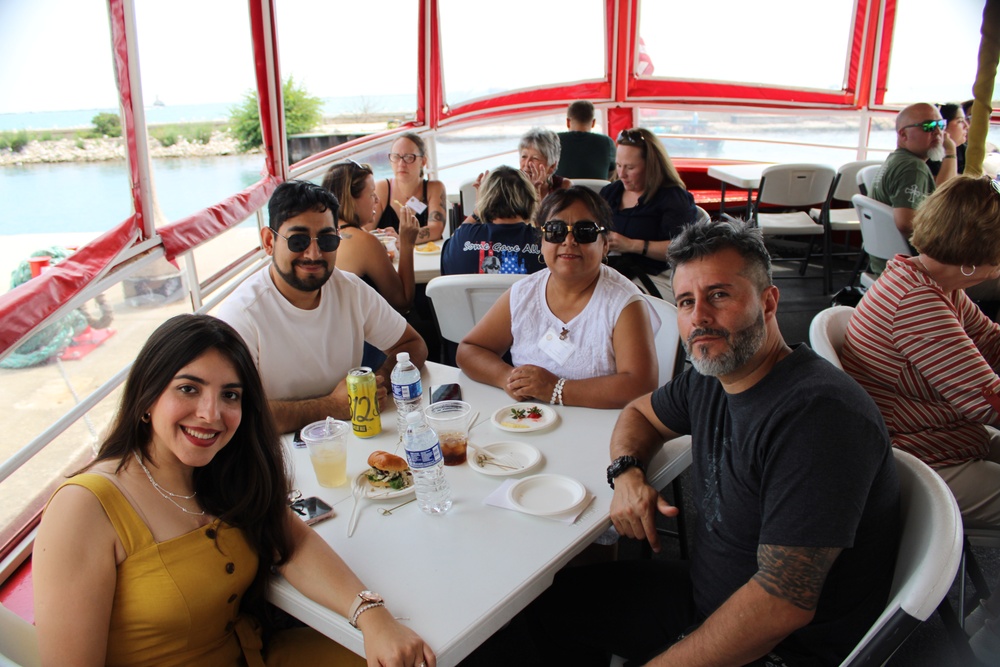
(299,242)
(930,125)
(584,231)
(408,158)
(631,137)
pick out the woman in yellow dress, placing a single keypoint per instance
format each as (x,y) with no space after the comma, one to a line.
(160,552)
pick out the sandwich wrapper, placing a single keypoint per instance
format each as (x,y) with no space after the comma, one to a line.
(499,499)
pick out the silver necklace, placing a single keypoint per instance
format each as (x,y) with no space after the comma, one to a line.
(163,492)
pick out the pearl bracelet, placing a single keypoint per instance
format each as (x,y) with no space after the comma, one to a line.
(557,392)
(362,609)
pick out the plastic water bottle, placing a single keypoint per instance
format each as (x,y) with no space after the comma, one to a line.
(407,390)
(423,454)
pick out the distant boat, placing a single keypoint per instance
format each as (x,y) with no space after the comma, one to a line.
(158,102)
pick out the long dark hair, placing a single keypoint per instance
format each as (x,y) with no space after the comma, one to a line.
(246,483)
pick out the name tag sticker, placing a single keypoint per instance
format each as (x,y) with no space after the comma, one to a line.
(559,350)
(416,205)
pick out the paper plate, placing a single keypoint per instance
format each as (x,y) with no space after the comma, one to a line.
(505,420)
(379,493)
(545,495)
(524,454)
(422,249)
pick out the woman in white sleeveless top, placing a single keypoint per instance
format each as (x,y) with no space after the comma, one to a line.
(578,332)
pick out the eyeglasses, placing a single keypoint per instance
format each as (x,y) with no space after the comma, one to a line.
(930,125)
(299,242)
(631,137)
(584,231)
(408,158)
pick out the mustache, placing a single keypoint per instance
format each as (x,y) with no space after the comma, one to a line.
(722,333)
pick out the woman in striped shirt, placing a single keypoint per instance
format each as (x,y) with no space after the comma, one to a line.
(928,355)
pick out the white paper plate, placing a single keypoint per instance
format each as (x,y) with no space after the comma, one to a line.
(421,249)
(525,455)
(379,493)
(545,495)
(504,420)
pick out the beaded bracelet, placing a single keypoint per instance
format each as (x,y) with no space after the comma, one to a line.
(362,609)
(557,392)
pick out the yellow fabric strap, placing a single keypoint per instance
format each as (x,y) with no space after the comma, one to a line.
(982,90)
(249,634)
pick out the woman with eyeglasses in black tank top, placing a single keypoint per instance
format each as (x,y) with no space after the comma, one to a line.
(408,157)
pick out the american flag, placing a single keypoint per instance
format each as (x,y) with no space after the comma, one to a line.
(511,262)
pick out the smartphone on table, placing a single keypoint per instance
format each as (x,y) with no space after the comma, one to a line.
(446,392)
(312,510)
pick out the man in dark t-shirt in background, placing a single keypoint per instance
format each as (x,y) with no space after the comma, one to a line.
(794,483)
(584,154)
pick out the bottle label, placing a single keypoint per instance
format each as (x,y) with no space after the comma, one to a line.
(405,392)
(426,458)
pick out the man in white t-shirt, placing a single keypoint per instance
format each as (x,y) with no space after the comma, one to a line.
(305,321)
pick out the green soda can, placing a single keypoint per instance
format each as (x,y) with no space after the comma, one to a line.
(361,389)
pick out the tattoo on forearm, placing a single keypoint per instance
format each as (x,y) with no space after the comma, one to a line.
(795,574)
(437,216)
(423,233)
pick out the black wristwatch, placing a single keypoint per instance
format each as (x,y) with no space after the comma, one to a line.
(620,465)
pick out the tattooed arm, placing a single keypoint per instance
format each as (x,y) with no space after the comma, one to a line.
(437,214)
(778,600)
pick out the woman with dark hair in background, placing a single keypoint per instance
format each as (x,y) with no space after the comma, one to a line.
(958,130)
(160,552)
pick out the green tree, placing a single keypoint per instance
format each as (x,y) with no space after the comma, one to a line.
(107,124)
(302,113)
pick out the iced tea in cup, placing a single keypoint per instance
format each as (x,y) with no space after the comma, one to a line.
(327,443)
(450,421)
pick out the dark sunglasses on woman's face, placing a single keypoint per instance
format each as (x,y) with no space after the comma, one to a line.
(299,242)
(584,231)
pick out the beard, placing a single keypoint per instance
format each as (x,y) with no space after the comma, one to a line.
(936,153)
(310,284)
(743,344)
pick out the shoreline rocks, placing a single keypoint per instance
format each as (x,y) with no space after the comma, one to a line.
(113,148)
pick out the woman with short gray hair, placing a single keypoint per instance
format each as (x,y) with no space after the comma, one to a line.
(538,153)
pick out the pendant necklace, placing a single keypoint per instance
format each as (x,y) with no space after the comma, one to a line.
(163,492)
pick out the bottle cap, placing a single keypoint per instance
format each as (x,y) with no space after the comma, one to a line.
(403,356)
(414,417)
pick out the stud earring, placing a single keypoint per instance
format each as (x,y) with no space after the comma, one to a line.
(145,418)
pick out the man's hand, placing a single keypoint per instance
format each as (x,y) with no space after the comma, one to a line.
(340,402)
(634,507)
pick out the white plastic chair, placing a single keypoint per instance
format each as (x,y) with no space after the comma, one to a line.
(701,215)
(846,219)
(827,330)
(797,186)
(461,300)
(594,184)
(879,234)
(865,178)
(467,199)
(930,548)
(667,339)
(18,641)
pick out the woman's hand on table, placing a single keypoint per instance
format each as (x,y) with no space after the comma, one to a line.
(634,507)
(388,643)
(530,382)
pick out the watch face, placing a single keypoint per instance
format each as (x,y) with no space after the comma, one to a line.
(370,596)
